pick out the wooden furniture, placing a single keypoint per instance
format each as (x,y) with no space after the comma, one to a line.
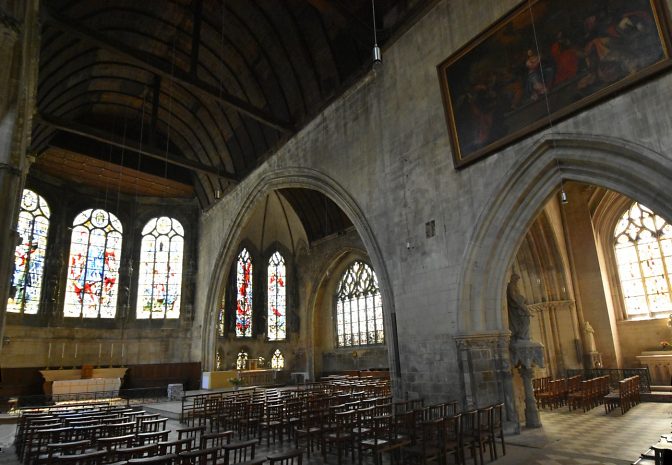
(292,457)
(626,397)
(59,382)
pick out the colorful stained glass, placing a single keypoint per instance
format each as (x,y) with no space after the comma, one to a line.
(93,272)
(277,360)
(244,297)
(32,227)
(160,277)
(643,250)
(277,298)
(359,310)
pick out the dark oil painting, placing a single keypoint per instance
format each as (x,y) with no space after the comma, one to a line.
(543,61)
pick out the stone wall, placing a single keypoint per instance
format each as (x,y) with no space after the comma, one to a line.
(382,153)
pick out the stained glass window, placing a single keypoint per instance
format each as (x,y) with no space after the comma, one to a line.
(160,279)
(32,227)
(277,298)
(277,360)
(241,361)
(359,310)
(643,248)
(244,297)
(93,273)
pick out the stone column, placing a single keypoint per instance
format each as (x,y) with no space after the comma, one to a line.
(19,53)
(525,354)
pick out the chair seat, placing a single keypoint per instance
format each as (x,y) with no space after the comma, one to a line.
(374,442)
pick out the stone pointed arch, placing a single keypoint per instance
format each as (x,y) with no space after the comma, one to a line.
(256,190)
(633,170)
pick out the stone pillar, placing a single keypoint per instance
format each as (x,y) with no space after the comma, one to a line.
(19,53)
(591,300)
(486,372)
(525,354)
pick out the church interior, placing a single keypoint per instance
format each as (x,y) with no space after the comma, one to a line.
(456,214)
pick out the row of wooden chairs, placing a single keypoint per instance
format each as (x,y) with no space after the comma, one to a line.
(626,397)
(590,394)
(554,393)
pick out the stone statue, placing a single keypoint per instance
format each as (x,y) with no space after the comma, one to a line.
(590,337)
(519,314)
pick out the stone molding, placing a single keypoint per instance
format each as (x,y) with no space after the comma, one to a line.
(610,162)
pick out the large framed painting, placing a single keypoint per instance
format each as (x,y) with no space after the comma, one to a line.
(543,61)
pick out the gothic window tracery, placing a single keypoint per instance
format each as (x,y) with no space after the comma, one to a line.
(160,277)
(32,227)
(359,310)
(277,298)
(93,265)
(244,286)
(643,250)
(277,360)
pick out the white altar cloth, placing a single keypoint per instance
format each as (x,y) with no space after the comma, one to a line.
(75,386)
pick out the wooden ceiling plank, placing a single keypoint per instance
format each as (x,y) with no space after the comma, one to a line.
(158,67)
(112,139)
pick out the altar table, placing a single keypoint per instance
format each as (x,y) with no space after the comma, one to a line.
(77,386)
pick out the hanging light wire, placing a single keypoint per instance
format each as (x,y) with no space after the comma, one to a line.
(563,195)
(376,54)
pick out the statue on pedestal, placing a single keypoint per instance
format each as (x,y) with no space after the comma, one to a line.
(590,336)
(519,314)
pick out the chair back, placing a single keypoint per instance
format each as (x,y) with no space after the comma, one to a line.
(292,457)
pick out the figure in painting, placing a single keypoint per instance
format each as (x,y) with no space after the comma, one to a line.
(519,314)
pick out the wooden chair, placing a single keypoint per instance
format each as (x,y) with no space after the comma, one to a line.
(135,452)
(175,446)
(195,433)
(497,429)
(156,460)
(272,423)
(64,448)
(249,423)
(451,439)
(242,453)
(473,436)
(341,435)
(381,439)
(153,437)
(428,442)
(91,458)
(199,457)
(310,429)
(292,457)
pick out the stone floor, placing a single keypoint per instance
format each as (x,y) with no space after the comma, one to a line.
(567,438)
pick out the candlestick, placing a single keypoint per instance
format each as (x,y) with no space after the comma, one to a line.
(62,353)
(100,351)
(76,347)
(111,352)
(49,356)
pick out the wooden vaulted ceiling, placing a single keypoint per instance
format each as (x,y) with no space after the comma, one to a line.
(195,92)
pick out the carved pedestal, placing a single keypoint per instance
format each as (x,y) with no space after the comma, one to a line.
(524,355)
(593,360)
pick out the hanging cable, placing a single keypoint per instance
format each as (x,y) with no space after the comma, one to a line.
(376,53)
(563,195)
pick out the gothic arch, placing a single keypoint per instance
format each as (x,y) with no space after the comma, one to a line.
(616,164)
(307,179)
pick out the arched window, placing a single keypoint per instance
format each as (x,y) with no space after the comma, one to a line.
(277,298)
(241,361)
(359,311)
(244,294)
(160,278)
(32,227)
(93,273)
(643,249)
(277,360)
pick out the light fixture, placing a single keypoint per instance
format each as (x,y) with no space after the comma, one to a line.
(563,195)
(218,194)
(376,54)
